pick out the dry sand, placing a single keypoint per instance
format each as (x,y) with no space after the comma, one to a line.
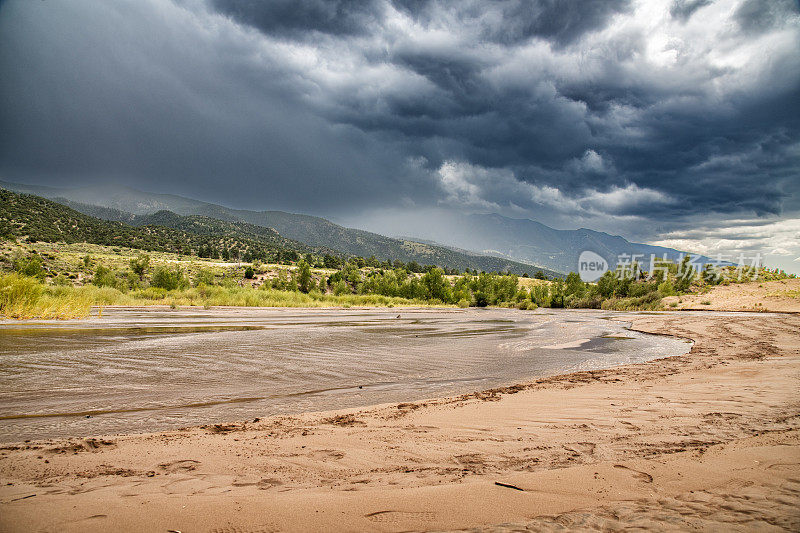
(706,441)
(781,296)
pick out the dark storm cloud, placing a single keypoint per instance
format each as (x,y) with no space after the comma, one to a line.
(640,113)
(137,100)
(297,17)
(684,9)
(757,16)
(558,21)
(698,151)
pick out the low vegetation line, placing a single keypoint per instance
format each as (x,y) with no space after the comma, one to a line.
(25,297)
(53,281)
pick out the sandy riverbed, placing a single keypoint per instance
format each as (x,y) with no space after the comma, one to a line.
(781,296)
(708,440)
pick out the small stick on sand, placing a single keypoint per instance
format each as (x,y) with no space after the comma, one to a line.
(506,485)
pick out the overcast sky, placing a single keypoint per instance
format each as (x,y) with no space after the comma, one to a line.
(672,122)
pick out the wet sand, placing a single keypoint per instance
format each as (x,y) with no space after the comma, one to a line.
(709,440)
(141,370)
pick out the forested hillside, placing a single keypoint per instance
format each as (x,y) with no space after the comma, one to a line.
(39,219)
(128,205)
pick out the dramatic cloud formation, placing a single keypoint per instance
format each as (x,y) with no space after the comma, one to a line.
(674,121)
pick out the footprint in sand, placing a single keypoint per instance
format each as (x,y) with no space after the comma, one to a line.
(469,459)
(87,520)
(641,476)
(326,455)
(262,484)
(581,448)
(83,445)
(184,465)
(783,466)
(239,529)
(397,516)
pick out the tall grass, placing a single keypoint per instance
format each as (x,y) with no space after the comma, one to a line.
(26,297)
(648,302)
(215,295)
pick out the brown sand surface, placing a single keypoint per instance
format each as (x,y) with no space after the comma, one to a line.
(709,441)
(782,296)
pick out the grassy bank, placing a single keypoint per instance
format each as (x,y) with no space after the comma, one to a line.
(25,297)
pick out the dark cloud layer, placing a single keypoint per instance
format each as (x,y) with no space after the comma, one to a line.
(614,114)
(684,9)
(296,18)
(757,16)
(559,21)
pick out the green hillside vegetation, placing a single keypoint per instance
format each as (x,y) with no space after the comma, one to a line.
(126,205)
(37,219)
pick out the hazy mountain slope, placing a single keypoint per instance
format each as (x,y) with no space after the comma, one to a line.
(317,232)
(105,213)
(117,203)
(531,241)
(111,196)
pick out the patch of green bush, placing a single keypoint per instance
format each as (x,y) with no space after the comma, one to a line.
(168,278)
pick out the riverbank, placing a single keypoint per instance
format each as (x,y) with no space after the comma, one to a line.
(711,439)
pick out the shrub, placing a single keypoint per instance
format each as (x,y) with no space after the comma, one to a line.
(132,280)
(169,279)
(666,288)
(642,288)
(303,276)
(481,300)
(593,301)
(340,288)
(205,277)
(104,277)
(648,302)
(249,273)
(30,266)
(140,264)
(151,293)
(574,285)
(62,281)
(540,295)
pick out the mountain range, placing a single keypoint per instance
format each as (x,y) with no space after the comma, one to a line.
(533,242)
(133,208)
(483,241)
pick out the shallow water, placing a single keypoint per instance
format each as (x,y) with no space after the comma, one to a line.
(137,370)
